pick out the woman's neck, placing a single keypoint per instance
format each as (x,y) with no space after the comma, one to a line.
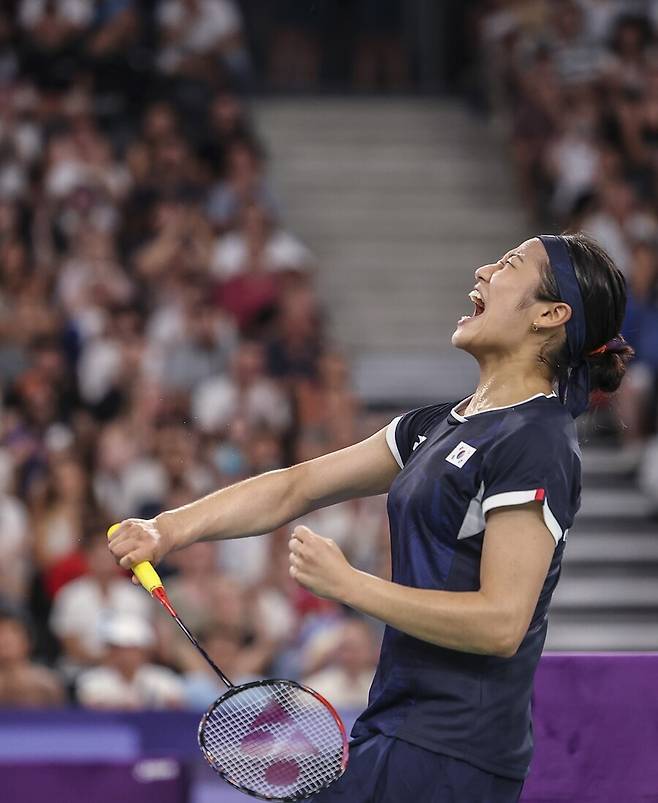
(504,386)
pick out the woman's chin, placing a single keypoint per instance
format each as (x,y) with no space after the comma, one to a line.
(460,338)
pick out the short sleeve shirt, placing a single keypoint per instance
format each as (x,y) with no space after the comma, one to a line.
(454,469)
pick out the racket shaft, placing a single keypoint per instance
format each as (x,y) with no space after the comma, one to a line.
(209,660)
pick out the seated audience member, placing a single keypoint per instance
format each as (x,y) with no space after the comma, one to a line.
(246,390)
(23,683)
(126,679)
(345,663)
(243,182)
(195,34)
(81,606)
(258,243)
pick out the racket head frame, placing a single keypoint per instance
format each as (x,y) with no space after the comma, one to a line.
(270,682)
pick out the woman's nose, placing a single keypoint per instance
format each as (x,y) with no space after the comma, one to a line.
(485,272)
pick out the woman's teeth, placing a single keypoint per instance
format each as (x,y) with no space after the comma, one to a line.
(478,303)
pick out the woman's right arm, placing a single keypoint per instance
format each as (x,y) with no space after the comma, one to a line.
(262,503)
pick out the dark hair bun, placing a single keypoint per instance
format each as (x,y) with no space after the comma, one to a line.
(606,370)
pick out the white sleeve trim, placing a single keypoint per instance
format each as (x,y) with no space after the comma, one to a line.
(521,498)
(390,440)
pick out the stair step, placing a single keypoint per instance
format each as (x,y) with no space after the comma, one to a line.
(614,548)
(613,592)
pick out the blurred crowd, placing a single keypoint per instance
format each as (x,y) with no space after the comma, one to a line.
(160,337)
(575,85)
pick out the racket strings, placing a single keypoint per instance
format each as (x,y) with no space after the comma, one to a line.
(276,740)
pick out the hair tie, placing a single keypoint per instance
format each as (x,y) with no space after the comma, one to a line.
(614,346)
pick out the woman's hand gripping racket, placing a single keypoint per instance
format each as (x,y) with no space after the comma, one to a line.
(273,739)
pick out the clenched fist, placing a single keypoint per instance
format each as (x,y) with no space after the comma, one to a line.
(318,564)
(137,540)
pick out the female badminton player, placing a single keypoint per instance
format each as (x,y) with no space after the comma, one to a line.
(481,494)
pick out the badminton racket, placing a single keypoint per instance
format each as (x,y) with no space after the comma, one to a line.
(272,739)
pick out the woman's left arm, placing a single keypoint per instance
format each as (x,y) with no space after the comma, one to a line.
(516,557)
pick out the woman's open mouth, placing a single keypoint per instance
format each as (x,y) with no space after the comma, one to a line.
(478,307)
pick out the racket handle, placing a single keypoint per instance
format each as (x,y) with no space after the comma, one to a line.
(143,571)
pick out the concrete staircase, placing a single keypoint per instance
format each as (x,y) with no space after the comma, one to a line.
(401,200)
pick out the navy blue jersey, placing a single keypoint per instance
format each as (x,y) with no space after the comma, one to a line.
(453,470)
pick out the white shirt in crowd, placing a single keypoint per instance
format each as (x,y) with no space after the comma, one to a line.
(282,252)
(80,609)
(151,687)
(344,691)
(74,12)
(195,33)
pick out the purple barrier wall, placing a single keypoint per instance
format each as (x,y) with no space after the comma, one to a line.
(164,780)
(595,722)
(596,729)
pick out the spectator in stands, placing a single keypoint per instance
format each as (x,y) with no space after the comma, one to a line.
(23,683)
(639,400)
(627,62)
(243,182)
(341,664)
(196,34)
(126,680)
(258,244)
(52,38)
(227,122)
(246,390)
(82,606)
(203,350)
(16,565)
(578,60)
(58,506)
(297,342)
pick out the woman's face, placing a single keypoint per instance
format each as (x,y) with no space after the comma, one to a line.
(504,312)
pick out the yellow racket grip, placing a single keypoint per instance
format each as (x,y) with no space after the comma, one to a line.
(143,571)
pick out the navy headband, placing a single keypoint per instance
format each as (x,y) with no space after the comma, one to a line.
(573,387)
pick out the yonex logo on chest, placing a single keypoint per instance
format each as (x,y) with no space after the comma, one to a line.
(460,454)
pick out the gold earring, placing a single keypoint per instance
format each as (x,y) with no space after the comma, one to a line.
(535,328)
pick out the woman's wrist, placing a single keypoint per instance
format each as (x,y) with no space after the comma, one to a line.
(171,530)
(351,587)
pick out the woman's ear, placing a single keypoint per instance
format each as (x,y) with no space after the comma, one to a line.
(555,314)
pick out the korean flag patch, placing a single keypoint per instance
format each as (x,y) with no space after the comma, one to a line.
(460,454)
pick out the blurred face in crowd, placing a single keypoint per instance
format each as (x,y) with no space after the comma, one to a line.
(504,310)
(69,479)
(567,19)
(224,645)
(226,112)
(99,559)
(159,122)
(248,363)
(644,278)
(227,603)
(243,165)
(629,40)
(355,652)
(14,642)
(126,660)
(255,223)
(617,199)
